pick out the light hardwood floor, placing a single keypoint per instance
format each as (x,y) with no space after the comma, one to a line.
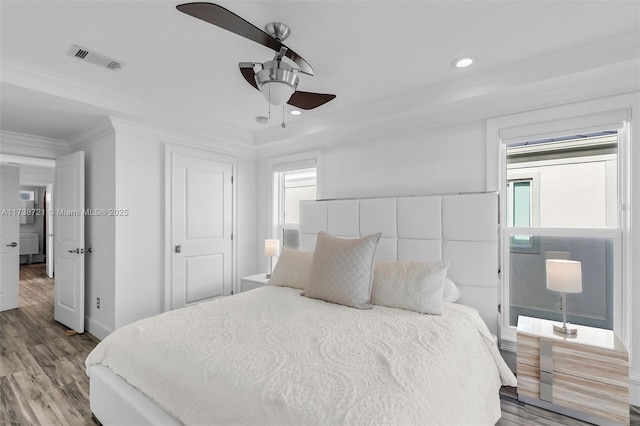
(42,379)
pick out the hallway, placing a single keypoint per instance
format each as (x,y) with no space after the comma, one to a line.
(42,378)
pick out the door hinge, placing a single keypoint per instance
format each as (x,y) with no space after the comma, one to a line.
(499,308)
(231,179)
(232,236)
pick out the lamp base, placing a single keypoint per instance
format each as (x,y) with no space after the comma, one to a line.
(565,329)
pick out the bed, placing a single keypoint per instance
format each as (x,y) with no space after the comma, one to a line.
(271,356)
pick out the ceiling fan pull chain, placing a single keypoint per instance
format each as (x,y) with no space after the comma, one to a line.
(283,125)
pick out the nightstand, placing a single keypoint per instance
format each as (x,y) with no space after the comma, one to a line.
(586,377)
(253,281)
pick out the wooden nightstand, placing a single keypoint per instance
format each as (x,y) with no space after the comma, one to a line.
(253,281)
(586,377)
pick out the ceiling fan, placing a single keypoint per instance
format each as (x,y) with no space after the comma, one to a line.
(276,79)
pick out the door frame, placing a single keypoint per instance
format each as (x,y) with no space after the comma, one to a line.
(169,151)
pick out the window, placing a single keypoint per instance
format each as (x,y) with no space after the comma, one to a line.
(294,178)
(27,195)
(610,243)
(561,202)
(519,202)
(291,187)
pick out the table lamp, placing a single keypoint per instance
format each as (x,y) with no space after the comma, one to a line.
(564,276)
(271,248)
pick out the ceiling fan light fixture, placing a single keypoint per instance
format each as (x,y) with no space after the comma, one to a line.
(277,81)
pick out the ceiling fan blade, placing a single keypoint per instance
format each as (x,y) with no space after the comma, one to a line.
(223,18)
(247,71)
(308,100)
(304,65)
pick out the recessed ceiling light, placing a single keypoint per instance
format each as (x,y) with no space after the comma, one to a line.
(295,112)
(463,62)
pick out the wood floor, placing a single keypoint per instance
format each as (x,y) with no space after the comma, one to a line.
(42,380)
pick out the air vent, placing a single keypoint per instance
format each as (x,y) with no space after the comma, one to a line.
(94,58)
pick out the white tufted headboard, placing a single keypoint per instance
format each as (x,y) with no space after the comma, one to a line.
(461,228)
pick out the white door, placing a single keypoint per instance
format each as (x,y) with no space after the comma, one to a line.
(9,237)
(69,241)
(49,231)
(201,229)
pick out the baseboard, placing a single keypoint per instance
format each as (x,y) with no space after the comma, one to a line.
(96,328)
(508,350)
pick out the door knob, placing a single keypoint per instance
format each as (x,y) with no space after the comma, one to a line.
(75,251)
(13,244)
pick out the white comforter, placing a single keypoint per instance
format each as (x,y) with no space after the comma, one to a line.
(271,356)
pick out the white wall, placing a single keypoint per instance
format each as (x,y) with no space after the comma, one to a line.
(139,177)
(440,160)
(246,180)
(36,176)
(100,193)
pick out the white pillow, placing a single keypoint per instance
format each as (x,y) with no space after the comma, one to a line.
(342,270)
(292,269)
(415,286)
(451,292)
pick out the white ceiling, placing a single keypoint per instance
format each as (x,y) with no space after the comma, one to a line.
(182,72)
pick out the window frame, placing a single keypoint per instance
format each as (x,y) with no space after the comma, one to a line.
(566,120)
(303,160)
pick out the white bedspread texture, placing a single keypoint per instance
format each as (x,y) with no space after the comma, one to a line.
(272,357)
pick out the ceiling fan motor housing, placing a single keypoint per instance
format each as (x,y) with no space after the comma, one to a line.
(277,30)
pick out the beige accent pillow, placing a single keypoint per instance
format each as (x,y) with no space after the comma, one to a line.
(415,286)
(342,270)
(292,269)
(451,292)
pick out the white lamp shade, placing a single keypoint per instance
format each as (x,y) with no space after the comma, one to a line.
(564,275)
(276,93)
(271,247)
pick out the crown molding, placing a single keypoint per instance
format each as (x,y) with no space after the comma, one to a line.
(19,144)
(115,125)
(100,129)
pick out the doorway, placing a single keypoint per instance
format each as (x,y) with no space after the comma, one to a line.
(68,230)
(31,198)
